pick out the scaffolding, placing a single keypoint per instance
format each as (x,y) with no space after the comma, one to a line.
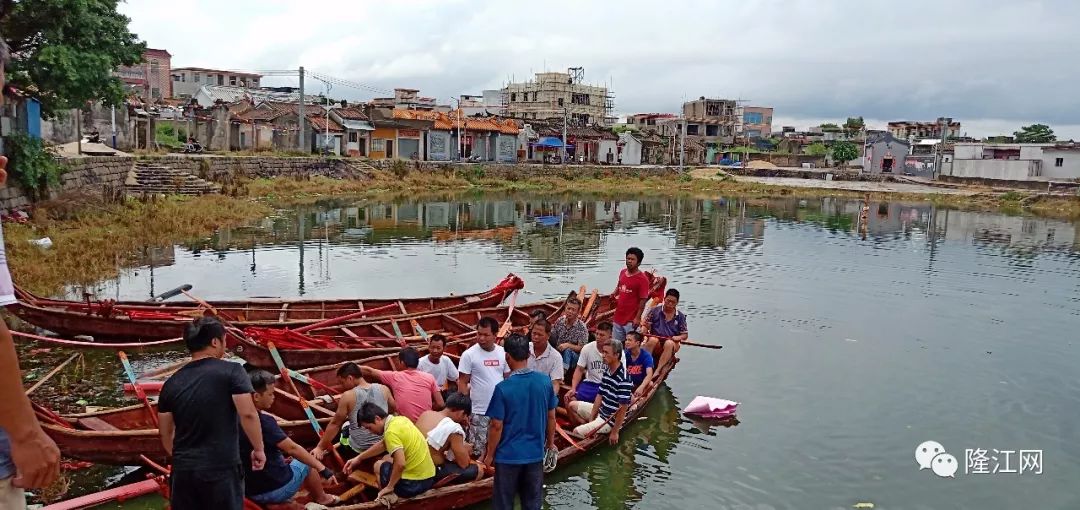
(555,95)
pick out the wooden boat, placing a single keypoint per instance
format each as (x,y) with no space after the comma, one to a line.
(133,320)
(362,340)
(459,496)
(120,436)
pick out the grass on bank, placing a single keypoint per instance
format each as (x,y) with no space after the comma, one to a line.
(93,240)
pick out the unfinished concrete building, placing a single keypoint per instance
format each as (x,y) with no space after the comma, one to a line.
(553,95)
(713,121)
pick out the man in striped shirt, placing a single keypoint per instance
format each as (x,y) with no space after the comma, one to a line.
(606,414)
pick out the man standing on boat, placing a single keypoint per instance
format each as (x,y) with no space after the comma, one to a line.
(669,326)
(482,366)
(440,367)
(522,413)
(357,393)
(569,334)
(544,358)
(198,412)
(414,391)
(606,413)
(630,295)
(29,459)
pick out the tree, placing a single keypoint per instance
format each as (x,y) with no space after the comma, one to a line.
(829,126)
(64,52)
(843,152)
(854,125)
(817,149)
(1035,133)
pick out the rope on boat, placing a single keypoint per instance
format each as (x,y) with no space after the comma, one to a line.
(97,345)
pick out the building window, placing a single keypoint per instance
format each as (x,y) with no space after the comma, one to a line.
(691,129)
(1059,162)
(378,145)
(155,93)
(535,94)
(579,99)
(352,137)
(752,117)
(513,96)
(196,77)
(712,130)
(221,79)
(154,66)
(560,101)
(232,80)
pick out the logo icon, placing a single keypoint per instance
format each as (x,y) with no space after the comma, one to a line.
(931,455)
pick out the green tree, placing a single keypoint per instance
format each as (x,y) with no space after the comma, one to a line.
(1035,133)
(854,125)
(817,149)
(829,126)
(64,52)
(843,152)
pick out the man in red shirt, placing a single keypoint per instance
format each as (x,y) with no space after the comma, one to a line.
(630,296)
(414,391)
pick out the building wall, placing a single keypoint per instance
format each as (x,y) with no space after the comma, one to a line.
(539,99)
(506,148)
(1007,169)
(186,86)
(631,150)
(440,145)
(379,138)
(158,66)
(885,148)
(604,148)
(762,128)
(1070,164)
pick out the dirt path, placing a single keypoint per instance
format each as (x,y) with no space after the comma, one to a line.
(869,186)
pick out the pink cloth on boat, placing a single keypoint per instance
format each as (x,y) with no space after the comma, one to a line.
(710,407)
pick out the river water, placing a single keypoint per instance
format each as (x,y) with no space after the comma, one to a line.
(848,343)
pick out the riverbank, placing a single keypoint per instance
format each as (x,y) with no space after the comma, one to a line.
(93,240)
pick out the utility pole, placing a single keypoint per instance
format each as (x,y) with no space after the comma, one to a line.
(300,112)
(113,124)
(566,112)
(326,137)
(682,142)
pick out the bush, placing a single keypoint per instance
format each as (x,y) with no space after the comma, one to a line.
(1012,196)
(685,177)
(33,165)
(399,168)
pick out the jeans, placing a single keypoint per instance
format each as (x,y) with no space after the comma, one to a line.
(525,481)
(286,492)
(404,488)
(619,331)
(220,489)
(569,359)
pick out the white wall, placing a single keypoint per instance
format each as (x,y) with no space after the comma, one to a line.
(602,151)
(631,154)
(1014,170)
(1070,168)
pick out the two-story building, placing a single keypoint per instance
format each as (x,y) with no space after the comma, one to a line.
(186,81)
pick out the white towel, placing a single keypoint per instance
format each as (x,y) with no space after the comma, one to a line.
(439,435)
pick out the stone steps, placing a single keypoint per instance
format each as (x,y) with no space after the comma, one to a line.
(165,180)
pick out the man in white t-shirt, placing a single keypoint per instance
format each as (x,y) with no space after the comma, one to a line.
(591,366)
(440,367)
(482,366)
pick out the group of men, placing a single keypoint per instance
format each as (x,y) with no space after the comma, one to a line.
(432,422)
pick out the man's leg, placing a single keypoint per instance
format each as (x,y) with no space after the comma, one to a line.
(506,483)
(11,496)
(201,490)
(313,482)
(670,348)
(580,412)
(531,486)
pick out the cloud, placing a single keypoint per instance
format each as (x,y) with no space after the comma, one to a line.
(993,64)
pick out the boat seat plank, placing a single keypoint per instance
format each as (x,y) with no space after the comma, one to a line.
(382,331)
(450,318)
(284,312)
(348,332)
(96,424)
(402,307)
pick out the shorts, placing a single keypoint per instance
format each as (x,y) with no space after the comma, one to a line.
(220,489)
(11,496)
(286,492)
(404,488)
(569,359)
(619,331)
(478,432)
(586,391)
(584,411)
(456,473)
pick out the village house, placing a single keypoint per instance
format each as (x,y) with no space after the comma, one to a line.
(885,153)
(150,79)
(358,129)
(186,81)
(909,130)
(557,95)
(629,149)
(1016,161)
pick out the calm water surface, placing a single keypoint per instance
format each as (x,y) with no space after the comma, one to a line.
(847,344)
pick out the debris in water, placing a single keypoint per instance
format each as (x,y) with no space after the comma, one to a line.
(863,505)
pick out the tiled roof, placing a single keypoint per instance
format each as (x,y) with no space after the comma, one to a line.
(318,123)
(450,121)
(351,113)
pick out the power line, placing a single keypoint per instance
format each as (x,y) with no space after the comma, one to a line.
(347,83)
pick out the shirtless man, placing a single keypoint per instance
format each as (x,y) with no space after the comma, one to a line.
(358,392)
(445,435)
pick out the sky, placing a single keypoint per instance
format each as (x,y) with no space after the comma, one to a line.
(994,65)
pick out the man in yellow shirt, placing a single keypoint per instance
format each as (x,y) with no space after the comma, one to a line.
(409,471)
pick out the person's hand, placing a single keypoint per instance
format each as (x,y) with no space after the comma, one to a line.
(636,323)
(613,437)
(258,460)
(487,461)
(37,460)
(569,397)
(3,170)
(350,465)
(330,482)
(385,492)
(637,392)
(318,452)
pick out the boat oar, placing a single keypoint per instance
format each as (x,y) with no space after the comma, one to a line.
(345,318)
(509,316)
(303,401)
(204,304)
(592,301)
(49,375)
(418,330)
(138,389)
(688,342)
(169,294)
(397,333)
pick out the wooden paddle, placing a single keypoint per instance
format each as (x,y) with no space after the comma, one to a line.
(138,389)
(687,342)
(49,375)
(509,317)
(286,376)
(592,301)
(418,330)
(397,333)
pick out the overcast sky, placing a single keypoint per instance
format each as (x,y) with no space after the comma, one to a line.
(994,65)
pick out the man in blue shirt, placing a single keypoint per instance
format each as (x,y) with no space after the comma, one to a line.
(522,413)
(666,324)
(639,363)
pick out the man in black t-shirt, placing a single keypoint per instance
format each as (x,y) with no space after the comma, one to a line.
(199,409)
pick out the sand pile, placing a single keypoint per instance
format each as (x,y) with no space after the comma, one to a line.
(760,164)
